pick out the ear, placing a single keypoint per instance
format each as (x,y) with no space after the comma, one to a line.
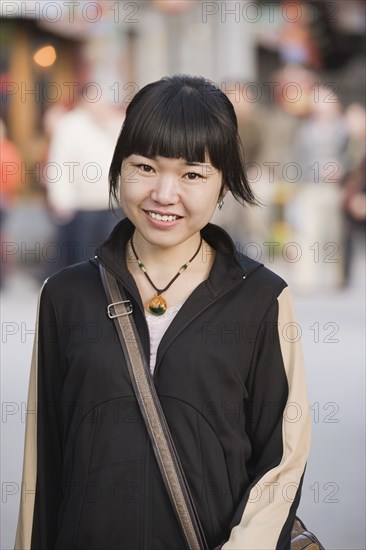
(223,192)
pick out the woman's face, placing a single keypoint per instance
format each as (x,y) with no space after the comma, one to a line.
(154,188)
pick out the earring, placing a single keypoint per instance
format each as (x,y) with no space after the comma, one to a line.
(220,204)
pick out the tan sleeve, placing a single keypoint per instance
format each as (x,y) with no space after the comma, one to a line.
(269,503)
(28,485)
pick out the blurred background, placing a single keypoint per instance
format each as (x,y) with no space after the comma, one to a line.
(296,76)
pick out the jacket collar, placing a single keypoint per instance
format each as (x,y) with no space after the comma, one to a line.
(228,267)
(228,270)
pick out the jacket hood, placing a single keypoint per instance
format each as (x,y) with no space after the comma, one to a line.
(229,266)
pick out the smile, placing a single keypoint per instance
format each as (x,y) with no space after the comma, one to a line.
(163,218)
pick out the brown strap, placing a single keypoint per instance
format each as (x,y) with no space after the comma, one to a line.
(119,310)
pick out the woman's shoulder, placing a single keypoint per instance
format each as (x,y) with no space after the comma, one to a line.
(250,269)
(261,276)
(72,281)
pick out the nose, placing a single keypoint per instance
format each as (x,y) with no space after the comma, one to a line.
(165,190)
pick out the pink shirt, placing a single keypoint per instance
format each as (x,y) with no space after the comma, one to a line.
(157,326)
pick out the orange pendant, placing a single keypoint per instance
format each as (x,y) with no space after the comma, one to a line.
(157,305)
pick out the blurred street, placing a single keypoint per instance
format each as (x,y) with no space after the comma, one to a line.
(332,329)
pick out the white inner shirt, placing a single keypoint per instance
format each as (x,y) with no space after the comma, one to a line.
(158,324)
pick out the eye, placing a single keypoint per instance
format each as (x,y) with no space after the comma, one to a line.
(192,176)
(145,168)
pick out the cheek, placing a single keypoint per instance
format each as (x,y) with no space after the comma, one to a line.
(202,206)
(208,194)
(130,186)
(127,201)
(131,192)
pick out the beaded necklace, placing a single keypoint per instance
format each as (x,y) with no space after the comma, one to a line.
(157,304)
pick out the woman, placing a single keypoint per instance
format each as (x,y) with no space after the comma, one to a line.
(220,338)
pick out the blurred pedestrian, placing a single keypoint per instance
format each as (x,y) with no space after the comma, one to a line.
(10,166)
(78,161)
(355,119)
(11,179)
(354,209)
(319,155)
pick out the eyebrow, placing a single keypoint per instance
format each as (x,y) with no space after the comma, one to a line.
(185,163)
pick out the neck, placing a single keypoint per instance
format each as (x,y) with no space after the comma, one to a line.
(157,258)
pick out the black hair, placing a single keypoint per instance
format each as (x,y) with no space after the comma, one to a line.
(187,117)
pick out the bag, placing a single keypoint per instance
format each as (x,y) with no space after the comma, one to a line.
(120,309)
(302,539)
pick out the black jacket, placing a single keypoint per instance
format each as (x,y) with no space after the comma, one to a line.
(230,378)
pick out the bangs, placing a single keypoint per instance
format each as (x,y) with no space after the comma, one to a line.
(175,126)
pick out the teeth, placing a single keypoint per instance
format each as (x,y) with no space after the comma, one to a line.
(162,218)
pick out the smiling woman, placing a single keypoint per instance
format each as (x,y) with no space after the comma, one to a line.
(173,434)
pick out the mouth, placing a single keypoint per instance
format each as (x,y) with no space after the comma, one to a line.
(162,217)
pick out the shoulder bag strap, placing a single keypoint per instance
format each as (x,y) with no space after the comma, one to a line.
(119,310)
